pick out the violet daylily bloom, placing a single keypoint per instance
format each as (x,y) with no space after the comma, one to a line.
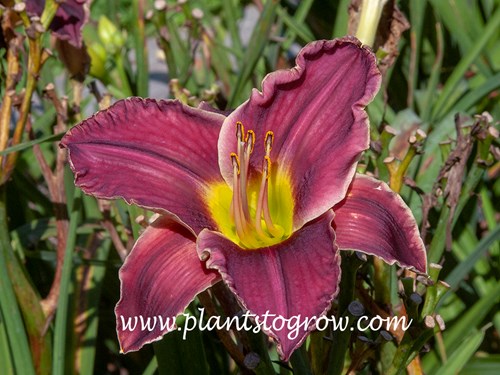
(68,22)
(248,198)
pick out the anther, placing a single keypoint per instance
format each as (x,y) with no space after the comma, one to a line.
(244,148)
(235,161)
(250,141)
(240,130)
(268,142)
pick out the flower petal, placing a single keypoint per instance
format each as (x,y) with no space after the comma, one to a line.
(296,279)
(159,278)
(68,21)
(316,112)
(375,220)
(157,154)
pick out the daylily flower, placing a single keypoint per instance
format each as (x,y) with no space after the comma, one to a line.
(262,199)
(68,21)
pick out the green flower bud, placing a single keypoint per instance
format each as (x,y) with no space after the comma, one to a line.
(98,57)
(109,35)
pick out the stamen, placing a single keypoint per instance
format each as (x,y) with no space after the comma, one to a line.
(251,231)
(268,142)
(236,162)
(276,232)
(260,202)
(265,204)
(244,157)
(236,203)
(239,205)
(250,141)
(240,130)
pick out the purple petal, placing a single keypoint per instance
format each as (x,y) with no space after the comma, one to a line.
(296,278)
(159,278)
(375,220)
(68,21)
(210,108)
(157,154)
(35,7)
(316,112)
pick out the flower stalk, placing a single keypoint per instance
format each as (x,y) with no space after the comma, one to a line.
(398,169)
(371,11)
(50,10)
(36,58)
(6,108)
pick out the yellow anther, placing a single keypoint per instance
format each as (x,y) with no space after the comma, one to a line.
(268,142)
(235,161)
(250,141)
(240,131)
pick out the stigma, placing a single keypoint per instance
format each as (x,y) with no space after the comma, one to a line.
(254,227)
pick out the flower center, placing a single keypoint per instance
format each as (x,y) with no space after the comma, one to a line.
(258,210)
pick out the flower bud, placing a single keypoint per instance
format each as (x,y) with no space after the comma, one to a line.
(97,54)
(109,35)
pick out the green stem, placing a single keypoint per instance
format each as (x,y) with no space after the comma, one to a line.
(397,179)
(425,111)
(231,17)
(457,75)
(338,350)
(255,49)
(34,64)
(49,11)
(258,345)
(120,67)
(140,49)
(60,341)
(299,362)
(10,310)
(407,350)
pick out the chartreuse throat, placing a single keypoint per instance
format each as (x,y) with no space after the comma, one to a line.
(257,210)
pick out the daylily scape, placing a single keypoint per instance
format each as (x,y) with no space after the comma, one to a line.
(262,199)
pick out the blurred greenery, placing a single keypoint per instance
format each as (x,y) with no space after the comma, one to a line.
(434,125)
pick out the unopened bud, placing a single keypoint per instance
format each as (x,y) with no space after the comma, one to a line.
(356,308)
(440,321)
(386,335)
(109,35)
(97,54)
(429,322)
(251,360)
